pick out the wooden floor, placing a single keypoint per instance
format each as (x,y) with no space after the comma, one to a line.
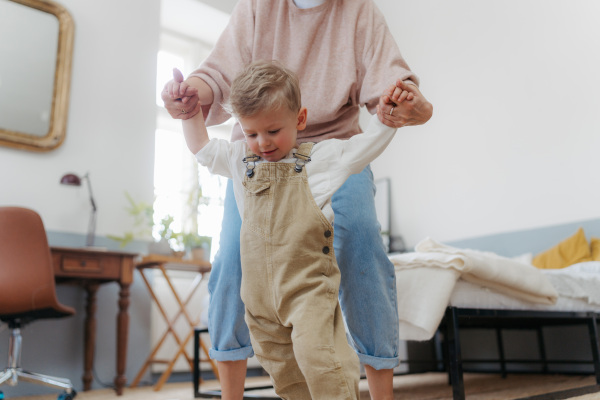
(426,386)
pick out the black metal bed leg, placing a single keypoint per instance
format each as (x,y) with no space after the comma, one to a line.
(439,351)
(454,356)
(196,362)
(593,329)
(542,349)
(500,344)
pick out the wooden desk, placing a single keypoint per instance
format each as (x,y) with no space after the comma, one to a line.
(91,268)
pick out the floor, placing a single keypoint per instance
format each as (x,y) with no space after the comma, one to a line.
(427,386)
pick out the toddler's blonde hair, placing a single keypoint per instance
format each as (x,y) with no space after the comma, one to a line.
(263,86)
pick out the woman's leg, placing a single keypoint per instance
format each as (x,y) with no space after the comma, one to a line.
(228,332)
(368,280)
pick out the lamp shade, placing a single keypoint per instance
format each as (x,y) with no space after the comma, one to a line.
(70,179)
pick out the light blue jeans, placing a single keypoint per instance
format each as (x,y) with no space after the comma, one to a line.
(367,288)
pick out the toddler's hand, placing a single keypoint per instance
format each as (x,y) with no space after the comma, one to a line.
(178,89)
(181,99)
(399,95)
(392,97)
(403,104)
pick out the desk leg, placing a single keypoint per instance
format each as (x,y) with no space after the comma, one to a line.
(90,335)
(122,335)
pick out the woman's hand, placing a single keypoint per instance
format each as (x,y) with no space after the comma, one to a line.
(181,100)
(403,104)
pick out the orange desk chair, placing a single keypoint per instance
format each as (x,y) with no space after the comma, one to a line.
(27,290)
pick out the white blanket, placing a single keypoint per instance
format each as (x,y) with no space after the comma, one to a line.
(578,281)
(425,280)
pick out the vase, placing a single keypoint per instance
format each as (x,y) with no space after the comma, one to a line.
(198,253)
(160,247)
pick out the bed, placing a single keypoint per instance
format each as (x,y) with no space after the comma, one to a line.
(442,291)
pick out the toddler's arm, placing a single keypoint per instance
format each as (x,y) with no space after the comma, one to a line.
(194,128)
(194,131)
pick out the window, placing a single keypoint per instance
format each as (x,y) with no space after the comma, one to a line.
(178,178)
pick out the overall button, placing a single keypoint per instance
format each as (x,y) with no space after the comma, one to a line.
(325,250)
(327,233)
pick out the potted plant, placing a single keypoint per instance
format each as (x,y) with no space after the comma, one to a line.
(144,226)
(197,247)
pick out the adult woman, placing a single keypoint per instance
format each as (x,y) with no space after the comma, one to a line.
(343,54)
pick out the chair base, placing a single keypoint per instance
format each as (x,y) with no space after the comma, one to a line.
(11,376)
(13,373)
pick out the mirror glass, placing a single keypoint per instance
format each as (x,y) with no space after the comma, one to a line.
(36,40)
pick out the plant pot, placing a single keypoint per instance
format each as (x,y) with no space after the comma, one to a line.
(160,247)
(198,253)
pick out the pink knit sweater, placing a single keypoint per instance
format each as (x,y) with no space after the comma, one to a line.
(342,51)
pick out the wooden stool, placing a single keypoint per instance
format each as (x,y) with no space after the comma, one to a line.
(164,264)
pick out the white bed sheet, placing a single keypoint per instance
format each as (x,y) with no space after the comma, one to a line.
(424,291)
(468,295)
(578,287)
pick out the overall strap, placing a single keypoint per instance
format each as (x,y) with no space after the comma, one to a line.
(250,158)
(302,156)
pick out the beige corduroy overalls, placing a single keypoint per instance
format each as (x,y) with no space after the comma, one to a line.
(290,283)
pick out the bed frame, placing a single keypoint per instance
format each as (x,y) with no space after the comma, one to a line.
(456,319)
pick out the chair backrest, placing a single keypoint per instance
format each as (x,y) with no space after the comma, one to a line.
(27,287)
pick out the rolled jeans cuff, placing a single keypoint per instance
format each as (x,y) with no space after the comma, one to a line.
(231,355)
(379,362)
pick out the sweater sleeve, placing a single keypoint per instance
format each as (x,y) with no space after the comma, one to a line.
(231,53)
(382,62)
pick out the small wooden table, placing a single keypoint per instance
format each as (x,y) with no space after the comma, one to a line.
(164,264)
(90,268)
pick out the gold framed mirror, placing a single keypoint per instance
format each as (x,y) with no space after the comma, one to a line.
(36,48)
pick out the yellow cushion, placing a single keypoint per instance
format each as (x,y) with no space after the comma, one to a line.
(595,247)
(568,252)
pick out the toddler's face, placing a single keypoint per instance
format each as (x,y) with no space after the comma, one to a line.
(272,134)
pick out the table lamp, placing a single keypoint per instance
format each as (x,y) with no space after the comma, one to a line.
(74,180)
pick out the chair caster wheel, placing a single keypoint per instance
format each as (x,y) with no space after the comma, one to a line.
(67,396)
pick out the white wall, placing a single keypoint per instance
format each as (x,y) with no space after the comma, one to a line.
(513,143)
(110,131)
(110,135)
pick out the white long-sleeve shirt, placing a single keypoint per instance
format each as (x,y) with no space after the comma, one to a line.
(332,162)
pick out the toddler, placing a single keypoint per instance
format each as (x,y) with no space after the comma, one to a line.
(283,189)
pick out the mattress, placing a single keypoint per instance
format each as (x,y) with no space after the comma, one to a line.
(578,287)
(436,276)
